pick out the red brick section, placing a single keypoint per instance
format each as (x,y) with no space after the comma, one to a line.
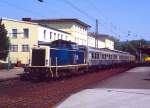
(25,94)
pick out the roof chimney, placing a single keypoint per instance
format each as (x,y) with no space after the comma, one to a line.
(26,19)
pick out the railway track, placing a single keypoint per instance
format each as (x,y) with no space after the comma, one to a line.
(26,94)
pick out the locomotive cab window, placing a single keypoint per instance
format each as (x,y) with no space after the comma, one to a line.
(38,57)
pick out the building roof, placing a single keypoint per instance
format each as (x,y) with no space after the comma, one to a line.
(57,20)
(14,20)
(33,23)
(53,28)
(102,37)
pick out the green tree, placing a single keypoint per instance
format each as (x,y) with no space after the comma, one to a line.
(4,42)
(131,46)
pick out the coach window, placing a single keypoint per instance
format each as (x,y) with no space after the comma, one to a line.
(109,56)
(94,56)
(114,57)
(97,55)
(102,56)
(106,56)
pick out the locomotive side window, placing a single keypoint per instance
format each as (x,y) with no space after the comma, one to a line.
(92,55)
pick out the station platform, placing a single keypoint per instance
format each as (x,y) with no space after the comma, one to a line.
(130,89)
(10,74)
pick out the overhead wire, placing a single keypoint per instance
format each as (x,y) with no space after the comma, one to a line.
(102,16)
(78,9)
(104,24)
(86,14)
(19,7)
(111,25)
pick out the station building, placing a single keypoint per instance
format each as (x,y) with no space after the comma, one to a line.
(26,35)
(79,32)
(75,27)
(101,41)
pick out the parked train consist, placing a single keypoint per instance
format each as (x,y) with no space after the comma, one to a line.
(62,58)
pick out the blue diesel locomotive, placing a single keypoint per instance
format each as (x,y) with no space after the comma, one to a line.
(63,58)
(58,59)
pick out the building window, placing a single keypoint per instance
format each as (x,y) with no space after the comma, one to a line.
(25,32)
(61,36)
(58,36)
(55,36)
(25,48)
(14,48)
(50,35)
(14,33)
(82,41)
(44,34)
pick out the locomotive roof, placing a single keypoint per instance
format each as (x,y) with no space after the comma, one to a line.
(62,42)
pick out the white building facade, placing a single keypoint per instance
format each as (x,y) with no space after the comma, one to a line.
(48,34)
(77,29)
(101,41)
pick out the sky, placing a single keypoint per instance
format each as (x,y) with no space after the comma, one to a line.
(123,19)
